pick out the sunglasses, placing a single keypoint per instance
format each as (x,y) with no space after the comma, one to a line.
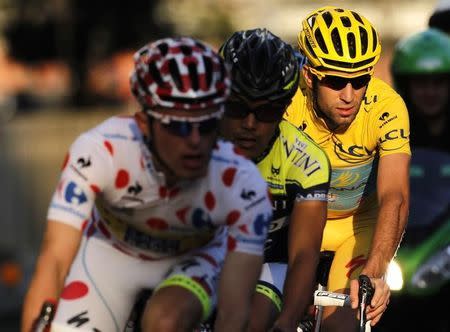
(183,126)
(265,113)
(339,83)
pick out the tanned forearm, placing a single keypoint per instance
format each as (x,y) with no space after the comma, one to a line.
(391,223)
(47,283)
(299,283)
(59,248)
(236,288)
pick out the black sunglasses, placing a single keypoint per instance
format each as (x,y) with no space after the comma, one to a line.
(265,113)
(339,83)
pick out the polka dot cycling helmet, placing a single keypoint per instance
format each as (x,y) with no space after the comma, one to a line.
(179,73)
(339,39)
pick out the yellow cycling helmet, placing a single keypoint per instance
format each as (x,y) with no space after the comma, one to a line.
(339,39)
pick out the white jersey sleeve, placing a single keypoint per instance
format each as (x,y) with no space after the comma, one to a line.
(86,173)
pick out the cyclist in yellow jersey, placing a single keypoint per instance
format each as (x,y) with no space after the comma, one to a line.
(363,126)
(265,74)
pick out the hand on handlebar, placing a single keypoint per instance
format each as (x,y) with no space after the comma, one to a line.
(379,301)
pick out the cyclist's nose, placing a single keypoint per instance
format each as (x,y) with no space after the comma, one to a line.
(347,93)
(194,136)
(249,121)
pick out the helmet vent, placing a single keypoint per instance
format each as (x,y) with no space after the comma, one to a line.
(193,76)
(320,41)
(154,72)
(337,41)
(351,44)
(327,18)
(186,50)
(208,70)
(175,73)
(163,48)
(200,46)
(357,17)
(308,46)
(364,40)
(346,22)
(375,39)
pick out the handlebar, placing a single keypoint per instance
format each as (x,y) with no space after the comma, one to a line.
(365,294)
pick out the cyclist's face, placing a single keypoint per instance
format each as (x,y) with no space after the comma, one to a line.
(250,125)
(337,99)
(429,94)
(185,148)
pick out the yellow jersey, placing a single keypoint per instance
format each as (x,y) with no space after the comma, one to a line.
(380,128)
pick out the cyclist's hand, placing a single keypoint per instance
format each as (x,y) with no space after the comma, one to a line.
(379,301)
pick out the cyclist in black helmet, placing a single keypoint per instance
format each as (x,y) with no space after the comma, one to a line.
(265,75)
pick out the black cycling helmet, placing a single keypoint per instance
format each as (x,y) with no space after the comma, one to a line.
(263,67)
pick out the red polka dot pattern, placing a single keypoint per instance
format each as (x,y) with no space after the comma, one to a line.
(66,161)
(157,223)
(94,188)
(122,179)
(233,217)
(208,258)
(210,200)
(74,290)
(243,229)
(166,192)
(109,147)
(174,192)
(181,214)
(238,151)
(228,176)
(83,226)
(162,192)
(231,243)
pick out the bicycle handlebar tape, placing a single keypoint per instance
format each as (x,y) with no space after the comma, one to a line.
(365,296)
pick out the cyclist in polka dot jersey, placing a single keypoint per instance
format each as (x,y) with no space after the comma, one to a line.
(155,201)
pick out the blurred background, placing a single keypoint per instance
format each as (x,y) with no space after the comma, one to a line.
(64,66)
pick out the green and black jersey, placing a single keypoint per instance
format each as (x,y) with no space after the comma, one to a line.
(295,169)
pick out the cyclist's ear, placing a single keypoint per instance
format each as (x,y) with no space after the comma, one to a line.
(308,76)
